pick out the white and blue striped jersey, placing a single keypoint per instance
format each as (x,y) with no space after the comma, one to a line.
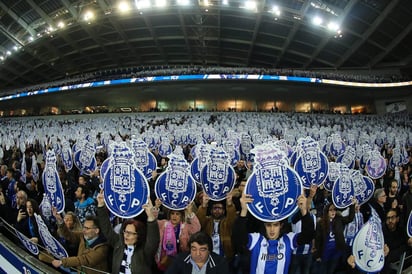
(271,256)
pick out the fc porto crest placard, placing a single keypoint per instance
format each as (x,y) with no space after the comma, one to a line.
(217,176)
(176,187)
(125,187)
(368,246)
(274,186)
(51,182)
(312,165)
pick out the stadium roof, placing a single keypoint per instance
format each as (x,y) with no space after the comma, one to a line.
(48,40)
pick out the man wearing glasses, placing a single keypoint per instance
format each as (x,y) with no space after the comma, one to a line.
(93,249)
(200,259)
(395,237)
(219,224)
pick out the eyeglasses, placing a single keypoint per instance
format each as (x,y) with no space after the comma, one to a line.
(88,228)
(129,233)
(217,208)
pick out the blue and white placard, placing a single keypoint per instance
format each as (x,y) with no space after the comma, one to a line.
(84,157)
(409,225)
(333,175)
(368,246)
(51,182)
(274,186)
(337,146)
(363,187)
(67,158)
(375,165)
(217,177)
(176,187)
(50,243)
(125,187)
(312,165)
(143,158)
(29,245)
(343,192)
(348,157)
(202,157)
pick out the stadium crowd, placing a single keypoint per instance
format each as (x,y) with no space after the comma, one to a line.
(208,236)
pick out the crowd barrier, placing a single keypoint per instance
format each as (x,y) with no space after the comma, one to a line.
(13,259)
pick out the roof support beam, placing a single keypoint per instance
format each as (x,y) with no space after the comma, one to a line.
(255,32)
(185,36)
(390,47)
(368,33)
(292,33)
(120,31)
(17,19)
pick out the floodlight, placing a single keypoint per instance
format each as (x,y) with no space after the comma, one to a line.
(317,21)
(8,52)
(275,10)
(61,24)
(143,4)
(225,2)
(250,5)
(183,2)
(333,26)
(161,3)
(88,16)
(124,7)
(1,58)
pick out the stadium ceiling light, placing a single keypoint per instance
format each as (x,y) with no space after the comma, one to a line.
(317,21)
(88,16)
(275,10)
(143,4)
(2,58)
(61,24)
(123,7)
(8,53)
(160,3)
(333,26)
(225,2)
(183,2)
(250,5)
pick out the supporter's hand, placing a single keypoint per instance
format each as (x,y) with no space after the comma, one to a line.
(313,189)
(395,203)
(100,199)
(56,215)
(149,208)
(158,203)
(56,263)
(34,240)
(386,250)
(189,209)
(205,200)
(2,198)
(244,200)
(21,215)
(229,199)
(302,204)
(154,174)
(351,261)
